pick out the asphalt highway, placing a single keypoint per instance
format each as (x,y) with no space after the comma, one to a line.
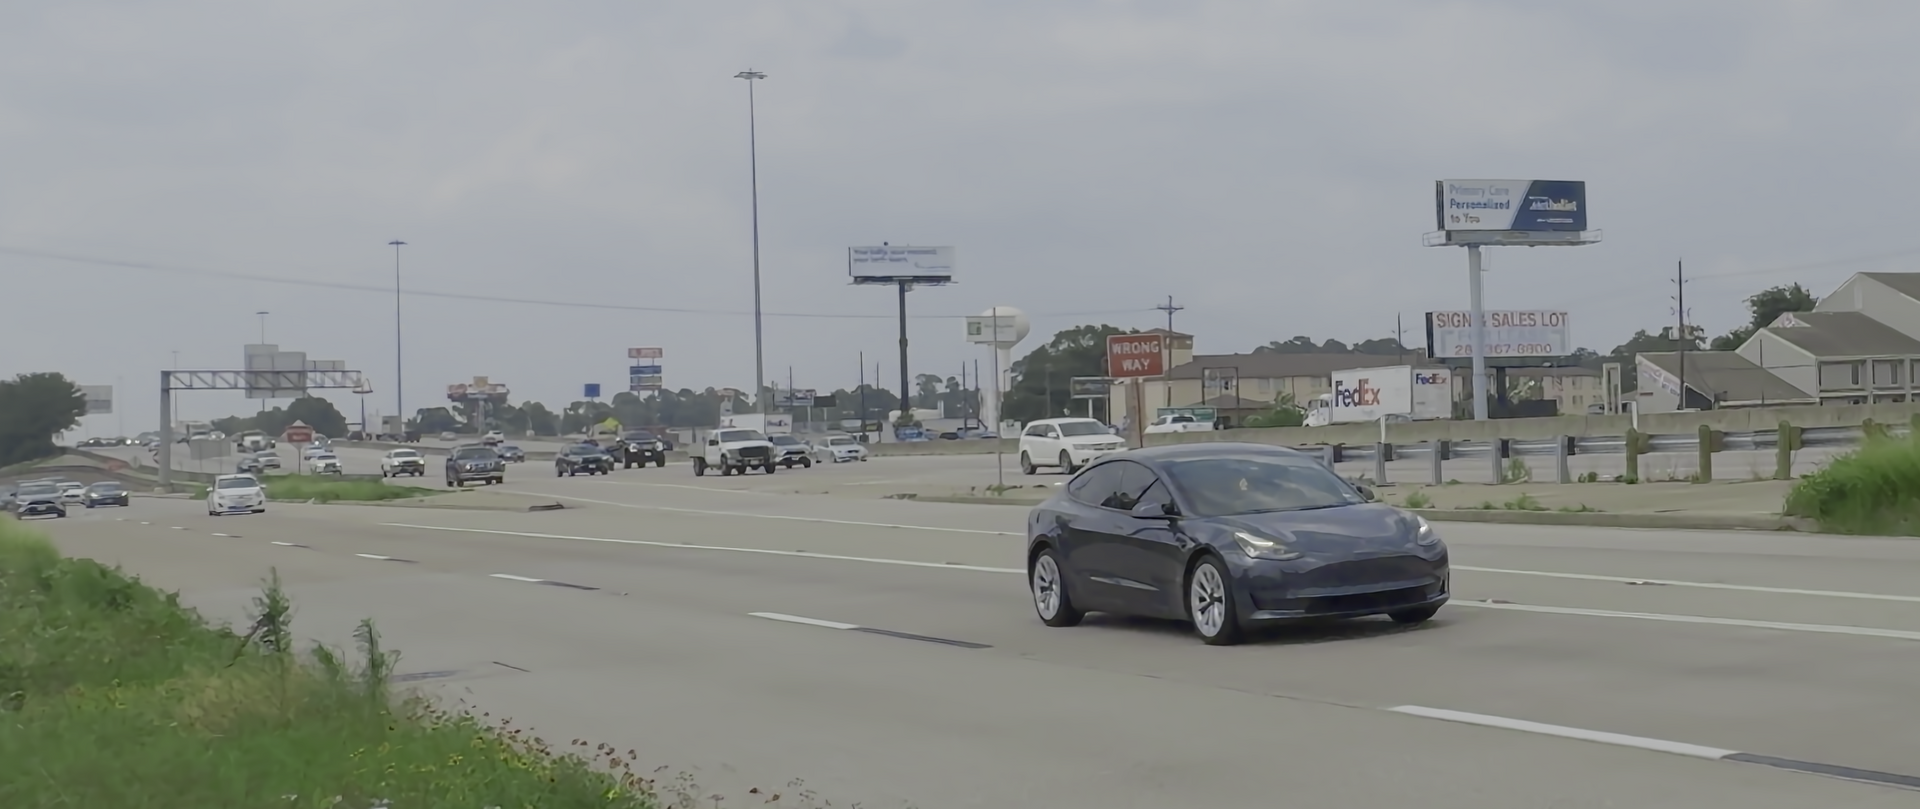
(724,629)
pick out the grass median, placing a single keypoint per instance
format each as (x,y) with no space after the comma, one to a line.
(328,489)
(114,694)
(1873,490)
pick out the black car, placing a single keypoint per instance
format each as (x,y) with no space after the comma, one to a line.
(106,493)
(38,499)
(640,447)
(582,458)
(790,451)
(475,463)
(511,453)
(1228,535)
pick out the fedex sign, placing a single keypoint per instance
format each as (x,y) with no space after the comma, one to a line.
(1430,379)
(1362,393)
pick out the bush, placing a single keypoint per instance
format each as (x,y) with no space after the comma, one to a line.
(327,489)
(1872,490)
(117,695)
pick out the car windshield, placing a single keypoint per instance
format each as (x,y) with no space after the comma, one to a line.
(473,454)
(1227,486)
(32,489)
(729,436)
(326,456)
(1083,428)
(784,440)
(841,441)
(72,485)
(585,449)
(403,454)
(509,448)
(639,436)
(105,487)
(237,483)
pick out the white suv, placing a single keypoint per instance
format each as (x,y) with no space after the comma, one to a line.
(1066,443)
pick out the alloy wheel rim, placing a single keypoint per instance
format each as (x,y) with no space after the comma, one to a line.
(1209,604)
(1046,587)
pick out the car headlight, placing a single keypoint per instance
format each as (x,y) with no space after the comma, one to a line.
(1425,535)
(1260,547)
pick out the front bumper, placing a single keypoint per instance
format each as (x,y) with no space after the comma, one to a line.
(1086,455)
(477,474)
(240,504)
(1270,591)
(41,509)
(849,454)
(408,469)
(120,500)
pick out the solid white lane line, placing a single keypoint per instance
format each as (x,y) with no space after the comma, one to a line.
(1824,629)
(712,513)
(1564,732)
(228,536)
(511,577)
(144,522)
(798,619)
(688,546)
(288,544)
(374,556)
(179,528)
(1749,588)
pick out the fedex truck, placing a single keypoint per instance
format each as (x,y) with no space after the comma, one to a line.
(768,424)
(1394,393)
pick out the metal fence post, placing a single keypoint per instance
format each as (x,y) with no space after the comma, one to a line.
(1562,471)
(1327,456)
(1381,452)
(1493,462)
(1438,457)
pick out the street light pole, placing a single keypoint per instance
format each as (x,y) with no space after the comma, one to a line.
(753,172)
(399,382)
(263,327)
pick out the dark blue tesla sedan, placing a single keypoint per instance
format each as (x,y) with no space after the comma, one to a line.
(1227,536)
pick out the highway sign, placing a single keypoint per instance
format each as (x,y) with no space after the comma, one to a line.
(298,433)
(593,390)
(1133,356)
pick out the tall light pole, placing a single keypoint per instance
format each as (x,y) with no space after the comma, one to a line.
(263,326)
(753,172)
(399,382)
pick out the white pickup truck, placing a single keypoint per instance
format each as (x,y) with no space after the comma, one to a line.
(1178,423)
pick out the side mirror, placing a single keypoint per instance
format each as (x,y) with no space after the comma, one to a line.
(1154,511)
(713,442)
(1366,492)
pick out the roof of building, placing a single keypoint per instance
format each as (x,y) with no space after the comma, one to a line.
(1842,334)
(1905,283)
(1277,365)
(1728,377)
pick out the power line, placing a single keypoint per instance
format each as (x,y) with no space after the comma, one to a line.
(423,293)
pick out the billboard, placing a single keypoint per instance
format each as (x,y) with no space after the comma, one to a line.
(1369,394)
(982,329)
(1131,356)
(645,353)
(1514,205)
(274,374)
(480,389)
(799,397)
(1089,387)
(99,399)
(644,382)
(898,261)
(1508,333)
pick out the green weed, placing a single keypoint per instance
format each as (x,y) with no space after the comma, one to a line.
(329,489)
(1419,500)
(1525,502)
(1870,490)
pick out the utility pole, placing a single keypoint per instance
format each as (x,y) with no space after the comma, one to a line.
(399,378)
(1680,311)
(1166,350)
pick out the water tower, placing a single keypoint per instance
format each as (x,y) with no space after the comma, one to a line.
(1000,328)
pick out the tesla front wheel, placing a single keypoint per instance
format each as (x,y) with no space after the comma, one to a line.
(1049,588)
(1210,604)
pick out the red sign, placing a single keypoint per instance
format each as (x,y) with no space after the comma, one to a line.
(298,433)
(645,353)
(1131,356)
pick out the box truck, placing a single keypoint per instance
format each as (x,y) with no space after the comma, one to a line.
(1394,393)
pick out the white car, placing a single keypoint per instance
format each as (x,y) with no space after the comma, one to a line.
(236,494)
(493,437)
(268,460)
(841,448)
(1066,443)
(72,492)
(399,462)
(326,463)
(315,451)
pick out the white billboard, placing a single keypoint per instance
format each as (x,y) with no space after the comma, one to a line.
(1514,333)
(99,399)
(275,374)
(982,329)
(900,261)
(1514,205)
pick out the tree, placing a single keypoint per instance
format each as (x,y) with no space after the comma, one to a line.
(34,408)
(1040,380)
(1285,413)
(319,414)
(1302,344)
(1767,306)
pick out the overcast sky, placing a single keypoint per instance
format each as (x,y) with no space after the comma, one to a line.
(1269,164)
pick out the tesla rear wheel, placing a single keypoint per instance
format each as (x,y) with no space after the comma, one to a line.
(1417,615)
(1049,588)
(1210,604)
(1026,464)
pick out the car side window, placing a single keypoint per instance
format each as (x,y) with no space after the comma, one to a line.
(1097,485)
(1037,430)
(1134,481)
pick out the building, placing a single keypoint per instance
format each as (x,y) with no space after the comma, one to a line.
(1859,345)
(1575,390)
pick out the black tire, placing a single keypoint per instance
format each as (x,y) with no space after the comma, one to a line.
(806,463)
(660,461)
(771,468)
(1026,464)
(1229,632)
(787,463)
(1416,615)
(1064,612)
(699,467)
(1066,462)
(557,471)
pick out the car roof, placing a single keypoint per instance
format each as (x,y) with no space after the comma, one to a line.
(1065,420)
(236,477)
(1209,449)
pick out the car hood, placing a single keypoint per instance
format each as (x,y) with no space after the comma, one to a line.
(1344,530)
(1087,440)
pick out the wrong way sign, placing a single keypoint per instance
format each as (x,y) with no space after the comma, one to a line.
(1132,356)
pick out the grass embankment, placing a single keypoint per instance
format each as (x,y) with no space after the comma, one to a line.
(328,489)
(114,695)
(1872,490)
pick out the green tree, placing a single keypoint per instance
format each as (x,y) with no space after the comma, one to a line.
(319,414)
(34,408)
(1285,413)
(1040,379)
(1767,306)
(538,420)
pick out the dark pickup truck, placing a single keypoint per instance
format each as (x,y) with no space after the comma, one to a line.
(639,448)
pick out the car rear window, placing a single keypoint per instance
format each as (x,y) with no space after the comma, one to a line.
(237,483)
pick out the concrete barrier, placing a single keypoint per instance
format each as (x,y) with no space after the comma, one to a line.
(968,446)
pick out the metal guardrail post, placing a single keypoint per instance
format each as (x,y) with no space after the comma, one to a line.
(1562,471)
(1381,452)
(1632,474)
(1704,471)
(1328,456)
(1438,457)
(1493,462)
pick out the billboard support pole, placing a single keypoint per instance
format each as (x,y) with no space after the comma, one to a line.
(906,394)
(1479,335)
(166,432)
